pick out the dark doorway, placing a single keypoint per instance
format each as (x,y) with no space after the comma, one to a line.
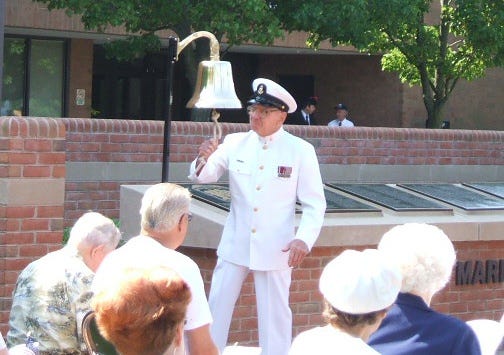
(300,86)
(135,89)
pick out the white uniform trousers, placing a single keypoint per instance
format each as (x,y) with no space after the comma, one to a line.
(273,311)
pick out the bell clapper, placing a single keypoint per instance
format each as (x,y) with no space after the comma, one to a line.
(217,130)
(217,134)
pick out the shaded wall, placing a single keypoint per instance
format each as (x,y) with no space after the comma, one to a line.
(374,98)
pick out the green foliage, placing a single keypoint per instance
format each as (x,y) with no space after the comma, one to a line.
(465,40)
(238,20)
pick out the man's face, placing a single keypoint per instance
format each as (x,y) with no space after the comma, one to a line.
(265,120)
(341,114)
(310,109)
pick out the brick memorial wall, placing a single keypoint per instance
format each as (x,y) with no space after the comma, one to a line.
(53,170)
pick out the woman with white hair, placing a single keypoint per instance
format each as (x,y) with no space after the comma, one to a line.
(53,293)
(426,257)
(358,287)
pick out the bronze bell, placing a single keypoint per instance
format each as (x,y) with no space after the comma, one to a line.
(214,86)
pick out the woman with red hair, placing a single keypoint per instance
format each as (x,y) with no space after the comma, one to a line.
(143,311)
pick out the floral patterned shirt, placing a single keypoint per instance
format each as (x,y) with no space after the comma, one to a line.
(51,297)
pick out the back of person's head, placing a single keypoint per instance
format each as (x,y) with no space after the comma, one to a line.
(424,254)
(93,229)
(143,309)
(162,206)
(357,287)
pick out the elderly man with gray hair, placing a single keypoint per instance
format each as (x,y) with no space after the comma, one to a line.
(53,293)
(165,218)
(426,257)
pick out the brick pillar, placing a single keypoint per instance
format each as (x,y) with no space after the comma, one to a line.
(32,191)
(81,78)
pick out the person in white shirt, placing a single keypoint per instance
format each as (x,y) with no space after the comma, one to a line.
(269,170)
(164,221)
(358,287)
(341,117)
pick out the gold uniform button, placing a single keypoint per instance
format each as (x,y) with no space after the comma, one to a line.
(261,167)
(265,146)
(253,230)
(258,188)
(256,209)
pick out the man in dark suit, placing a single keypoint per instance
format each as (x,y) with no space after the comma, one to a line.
(305,115)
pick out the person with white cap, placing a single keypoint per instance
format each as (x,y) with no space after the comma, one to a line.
(358,287)
(269,170)
(425,256)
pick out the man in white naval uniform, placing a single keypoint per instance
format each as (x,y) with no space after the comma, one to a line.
(269,169)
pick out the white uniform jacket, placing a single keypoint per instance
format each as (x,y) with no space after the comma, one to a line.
(345,123)
(266,176)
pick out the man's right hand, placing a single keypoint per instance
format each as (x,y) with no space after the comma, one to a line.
(207,148)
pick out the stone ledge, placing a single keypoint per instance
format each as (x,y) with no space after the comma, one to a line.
(340,229)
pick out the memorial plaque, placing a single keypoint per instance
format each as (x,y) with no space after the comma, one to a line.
(389,197)
(218,195)
(339,203)
(458,196)
(492,188)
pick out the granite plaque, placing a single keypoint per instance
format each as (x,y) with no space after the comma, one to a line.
(458,196)
(339,203)
(492,188)
(218,195)
(389,197)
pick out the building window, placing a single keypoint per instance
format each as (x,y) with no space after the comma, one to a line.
(13,77)
(129,90)
(34,77)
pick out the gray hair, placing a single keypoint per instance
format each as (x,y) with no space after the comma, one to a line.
(424,254)
(93,229)
(162,206)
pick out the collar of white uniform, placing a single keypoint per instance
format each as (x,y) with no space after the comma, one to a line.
(269,139)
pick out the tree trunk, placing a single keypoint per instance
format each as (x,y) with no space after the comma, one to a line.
(435,115)
(438,114)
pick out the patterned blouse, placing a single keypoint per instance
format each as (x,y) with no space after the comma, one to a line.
(51,297)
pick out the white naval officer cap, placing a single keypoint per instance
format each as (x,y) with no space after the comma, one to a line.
(359,282)
(269,93)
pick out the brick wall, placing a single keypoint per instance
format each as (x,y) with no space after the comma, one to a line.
(35,154)
(464,301)
(32,172)
(123,141)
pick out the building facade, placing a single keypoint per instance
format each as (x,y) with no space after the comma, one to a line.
(54,67)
